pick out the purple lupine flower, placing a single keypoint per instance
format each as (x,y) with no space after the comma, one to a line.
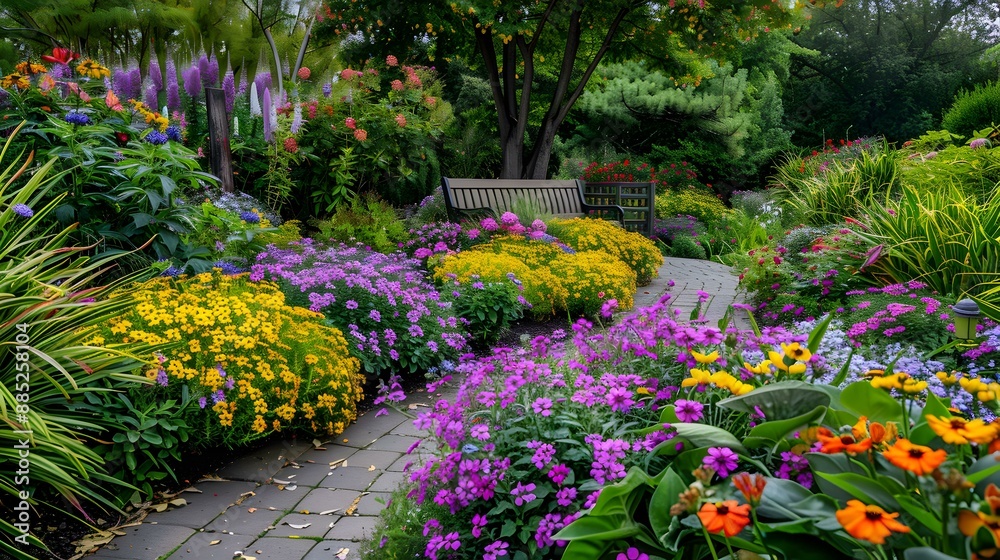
(23,210)
(161,378)
(229,88)
(202,402)
(243,80)
(688,411)
(296,119)
(152,96)
(173,89)
(192,81)
(263,80)
(133,85)
(722,460)
(173,132)
(327,89)
(204,72)
(211,77)
(266,108)
(154,73)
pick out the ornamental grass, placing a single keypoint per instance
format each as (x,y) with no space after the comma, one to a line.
(253,364)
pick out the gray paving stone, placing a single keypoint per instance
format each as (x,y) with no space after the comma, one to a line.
(413,460)
(279,548)
(239,520)
(389,481)
(318,525)
(408,429)
(353,528)
(269,496)
(332,452)
(329,550)
(370,505)
(369,457)
(308,474)
(370,427)
(398,444)
(324,499)
(146,542)
(215,498)
(200,547)
(261,464)
(350,478)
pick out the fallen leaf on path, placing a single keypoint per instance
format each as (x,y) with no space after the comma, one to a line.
(329,511)
(298,525)
(251,510)
(353,507)
(371,468)
(178,502)
(159,507)
(342,553)
(215,542)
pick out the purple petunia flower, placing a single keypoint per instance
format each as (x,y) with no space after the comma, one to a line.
(722,460)
(688,411)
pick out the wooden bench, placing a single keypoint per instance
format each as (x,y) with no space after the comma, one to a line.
(562,199)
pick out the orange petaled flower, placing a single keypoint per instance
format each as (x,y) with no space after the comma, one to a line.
(751,486)
(878,433)
(869,523)
(15,80)
(918,459)
(959,431)
(970,522)
(834,443)
(728,517)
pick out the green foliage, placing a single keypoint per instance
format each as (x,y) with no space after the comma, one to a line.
(943,238)
(489,307)
(48,310)
(367,220)
(687,247)
(884,67)
(282,235)
(397,534)
(144,451)
(975,172)
(973,110)
(707,208)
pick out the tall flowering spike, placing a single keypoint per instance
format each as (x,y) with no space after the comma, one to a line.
(296,119)
(204,70)
(273,116)
(263,80)
(213,72)
(243,80)
(192,81)
(119,81)
(254,101)
(154,73)
(173,89)
(135,83)
(268,127)
(152,99)
(229,88)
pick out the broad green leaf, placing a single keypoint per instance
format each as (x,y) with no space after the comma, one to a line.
(862,488)
(666,495)
(779,401)
(703,435)
(919,511)
(770,433)
(862,399)
(925,553)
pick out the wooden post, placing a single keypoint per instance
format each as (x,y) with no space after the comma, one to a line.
(218,138)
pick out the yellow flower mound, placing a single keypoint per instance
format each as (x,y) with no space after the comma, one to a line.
(634,249)
(278,366)
(690,202)
(553,279)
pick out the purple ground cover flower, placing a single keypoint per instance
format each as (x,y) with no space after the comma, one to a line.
(23,210)
(722,460)
(688,411)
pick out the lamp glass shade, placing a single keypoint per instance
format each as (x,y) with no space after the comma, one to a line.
(965,327)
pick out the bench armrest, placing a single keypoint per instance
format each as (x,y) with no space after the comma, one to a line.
(614,208)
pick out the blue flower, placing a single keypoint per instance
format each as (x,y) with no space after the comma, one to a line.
(76,117)
(469,448)
(174,133)
(156,137)
(227,268)
(250,217)
(23,210)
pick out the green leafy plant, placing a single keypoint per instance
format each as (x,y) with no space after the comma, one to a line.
(973,110)
(150,442)
(49,309)
(489,307)
(687,247)
(368,220)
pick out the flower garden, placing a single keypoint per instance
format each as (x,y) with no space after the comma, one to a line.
(150,318)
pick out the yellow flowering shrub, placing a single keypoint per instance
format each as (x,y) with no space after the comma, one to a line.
(691,202)
(249,363)
(553,279)
(634,249)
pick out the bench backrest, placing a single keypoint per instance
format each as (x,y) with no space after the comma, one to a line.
(560,198)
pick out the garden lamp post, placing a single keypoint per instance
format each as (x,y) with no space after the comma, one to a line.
(966,318)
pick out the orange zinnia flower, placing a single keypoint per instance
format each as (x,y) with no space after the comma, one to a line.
(751,486)
(918,459)
(833,443)
(728,517)
(959,431)
(869,523)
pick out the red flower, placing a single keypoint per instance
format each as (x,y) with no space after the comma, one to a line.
(122,137)
(61,56)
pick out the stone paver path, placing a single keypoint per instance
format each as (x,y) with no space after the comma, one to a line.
(292,501)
